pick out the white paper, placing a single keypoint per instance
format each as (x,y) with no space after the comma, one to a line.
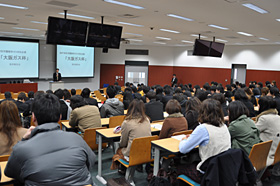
(179,137)
(156,126)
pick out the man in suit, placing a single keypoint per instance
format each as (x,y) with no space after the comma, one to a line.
(56,75)
(174,80)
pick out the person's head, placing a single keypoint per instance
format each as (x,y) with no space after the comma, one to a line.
(178,91)
(30,94)
(85,93)
(8,95)
(134,89)
(22,96)
(237,109)
(57,70)
(190,85)
(233,86)
(127,84)
(260,85)
(9,120)
(219,97)
(174,75)
(167,90)
(256,92)
(136,109)
(196,87)
(127,96)
(116,83)
(237,83)
(248,92)
(77,101)
(159,90)
(213,89)
(146,89)
(49,92)
(267,83)
(179,97)
(73,91)
(46,109)
(206,86)
(128,90)
(220,89)
(211,113)
(193,104)
(173,106)
(252,86)
(264,91)
(66,94)
(150,95)
(111,91)
(228,87)
(201,95)
(274,91)
(59,93)
(266,102)
(273,83)
(240,95)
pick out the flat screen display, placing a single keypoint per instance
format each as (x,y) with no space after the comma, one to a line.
(75,61)
(208,48)
(19,58)
(216,49)
(66,31)
(104,36)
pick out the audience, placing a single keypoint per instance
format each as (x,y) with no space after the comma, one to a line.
(154,108)
(127,99)
(84,116)
(221,98)
(242,129)
(274,92)
(168,95)
(175,121)
(241,96)
(159,93)
(65,108)
(8,97)
(90,101)
(21,105)
(192,109)
(47,155)
(73,92)
(11,130)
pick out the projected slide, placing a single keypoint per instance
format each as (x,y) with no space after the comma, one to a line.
(75,61)
(19,59)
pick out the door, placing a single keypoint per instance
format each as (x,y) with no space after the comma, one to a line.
(238,73)
(136,72)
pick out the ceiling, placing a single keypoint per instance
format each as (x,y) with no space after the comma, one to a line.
(226,13)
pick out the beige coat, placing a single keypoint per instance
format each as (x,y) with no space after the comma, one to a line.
(84,117)
(133,129)
(4,149)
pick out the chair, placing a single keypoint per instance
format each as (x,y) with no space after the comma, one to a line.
(78,91)
(2,96)
(258,156)
(182,132)
(116,120)
(120,97)
(277,155)
(187,180)
(99,96)
(60,123)
(140,152)
(90,138)
(4,181)
(4,158)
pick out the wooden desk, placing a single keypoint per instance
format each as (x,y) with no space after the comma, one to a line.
(104,123)
(16,87)
(4,179)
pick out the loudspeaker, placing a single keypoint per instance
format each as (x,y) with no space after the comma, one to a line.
(105,50)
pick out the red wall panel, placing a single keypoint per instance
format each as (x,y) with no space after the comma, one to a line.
(160,75)
(109,72)
(262,76)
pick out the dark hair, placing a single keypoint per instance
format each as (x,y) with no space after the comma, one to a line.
(233,85)
(260,84)
(73,92)
(127,96)
(30,94)
(59,93)
(211,113)
(179,97)
(190,85)
(248,92)
(219,97)
(151,95)
(46,108)
(159,90)
(229,87)
(146,89)
(66,94)
(201,95)
(57,69)
(178,90)
(197,87)
(128,90)
(221,89)
(213,88)
(85,93)
(116,83)
(252,86)
(193,104)
(174,74)
(274,91)
(267,83)
(8,95)
(49,92)
(173,106)
(127,84)
(111,91)
(22,96)
(264,91)
(237,109)
(77,101)
(167,90)
(136,109)
(206,86)
(134,89)
(256,91)
(9,120)
(240,95)
(266,102)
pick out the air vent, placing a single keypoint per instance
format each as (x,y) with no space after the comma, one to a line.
(129,16)
(136,52)
(8,23)
(63,4)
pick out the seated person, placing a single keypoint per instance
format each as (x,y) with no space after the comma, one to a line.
(8,96)
(84,116)
(135,93)
(221,98)
(90,101)
(65,108)
(136,124)
(192,109)
(241,96)
(112,106)
(66,95)
(118,87)
(181,99)
(159,93)
(11,130)
(47,155)
(146,89)
(168,95)
(212,137)
(243,131)
(21,105)
(127,99)
(154,109)
(73,92)
(175,122)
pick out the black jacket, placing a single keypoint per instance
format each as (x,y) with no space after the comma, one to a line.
(277,99)
(192,119)
(21,106)
(250,107)
(154,109)
(91,101)
(173,82)
(228,168)
(56,78)
(63,110)
(165,99)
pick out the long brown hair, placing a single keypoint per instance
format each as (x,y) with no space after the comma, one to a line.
(136,109)
(9,120)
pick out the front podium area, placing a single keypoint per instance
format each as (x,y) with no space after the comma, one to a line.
(54,85)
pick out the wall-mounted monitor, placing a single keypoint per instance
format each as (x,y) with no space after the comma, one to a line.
(208,48)
(104,36)
(75,61)
(66,31)
(19,58)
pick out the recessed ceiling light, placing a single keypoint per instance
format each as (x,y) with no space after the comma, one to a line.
(221,40)
(13,6)
(255,8)
(185,41)
(31,29)
(278,20)
(2,18)
(244,33)
(39,22)
(239,43)
(160,43)
(196,35)
(172,31)
(11,33)
(179,17)
(135,40)
(76,15)
(262,38)
(124,4)
(165,38)
(277,42)
(219,27)
(134,34)
(130,24)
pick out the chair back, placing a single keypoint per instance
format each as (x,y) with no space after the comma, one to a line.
(4,158)
(99,96)
(259,153)
(182,132)
(140,151)
(2,96)
(90,138)
(120,97)
(60,123)
(277,155)
(78,91)
(32,122)
(116,120)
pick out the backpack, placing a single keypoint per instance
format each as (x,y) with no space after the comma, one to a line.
(160,180)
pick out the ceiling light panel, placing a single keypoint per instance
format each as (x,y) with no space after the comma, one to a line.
(221,40)
(165,38)
(161,43)
(2,18)
(172,31)
(38,22)
(76,15)
(13,6)
(185,41)
(130,24)
(180,17)
(30,29)
(244,33)
(196,35)
(262,38)
(255,8)
(219,27)
(124,4)
(133,34)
